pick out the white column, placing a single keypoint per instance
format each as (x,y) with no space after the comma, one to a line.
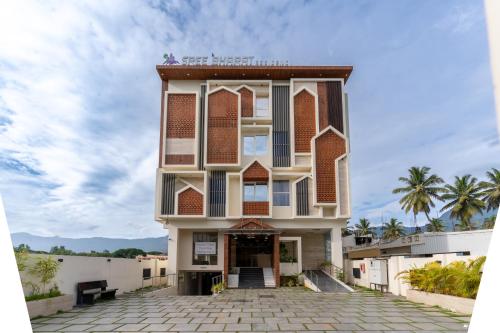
(173,234)
(336,246)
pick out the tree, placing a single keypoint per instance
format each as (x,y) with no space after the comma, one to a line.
(128,253)
(393,229)
(363,227)
(435,225)
(23,247)
(45,269)
(420,190)
(489,222)
(491,189)
(464,198)
(21,253)
(61,250)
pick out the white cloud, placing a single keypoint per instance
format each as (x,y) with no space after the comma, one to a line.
(79,97)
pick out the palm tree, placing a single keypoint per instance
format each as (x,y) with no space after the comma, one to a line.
(435,225)
(465,200)
(491,189)
(489,222)
(393,229)
(363,227)
(420,190)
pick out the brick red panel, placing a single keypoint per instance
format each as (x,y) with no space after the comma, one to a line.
(246,102)
(276,259)
(222,128)
(190,202)
(305,121)
(179,159)
(164,88)
(181,115)
(227,244)
(322,105)
(255,207)
(256,173)
(329,146)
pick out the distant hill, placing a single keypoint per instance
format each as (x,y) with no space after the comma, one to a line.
(477,219)
(99,244)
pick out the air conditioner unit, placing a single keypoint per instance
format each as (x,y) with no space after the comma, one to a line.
(378,271)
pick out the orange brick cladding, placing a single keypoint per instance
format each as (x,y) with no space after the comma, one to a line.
(190,202)
(255,208)
(179,159)
(181,116)
(305,121)
(328,147)
(256,173)
(222,128)
(246,102)
(322,106)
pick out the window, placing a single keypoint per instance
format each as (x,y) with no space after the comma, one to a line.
(255,145)
(146,273)
(281,193)
(262,107)
(163,271)
(205,248)
(255,192)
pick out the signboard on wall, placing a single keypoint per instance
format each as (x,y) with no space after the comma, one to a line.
(204,248)
(222,61)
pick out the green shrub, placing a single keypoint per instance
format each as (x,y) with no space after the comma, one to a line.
(458,278)
(45,270)
(53,292)
(217,288)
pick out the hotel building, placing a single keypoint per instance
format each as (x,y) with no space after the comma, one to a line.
(253,174)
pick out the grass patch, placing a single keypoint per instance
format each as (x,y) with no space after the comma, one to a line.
(50,294)
(424,307)
(377,293)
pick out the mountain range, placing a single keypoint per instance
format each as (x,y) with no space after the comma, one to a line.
(99,244)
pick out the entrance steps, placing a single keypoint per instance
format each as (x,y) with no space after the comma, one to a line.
(251,278)
(269,281)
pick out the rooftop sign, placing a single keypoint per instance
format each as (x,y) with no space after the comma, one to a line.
(222,61)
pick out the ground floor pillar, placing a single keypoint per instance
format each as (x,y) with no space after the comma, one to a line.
(336,246)
(276,259)
(173,236)
(226,256)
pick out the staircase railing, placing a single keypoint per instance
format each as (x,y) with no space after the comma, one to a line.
(217,280)
(334,271)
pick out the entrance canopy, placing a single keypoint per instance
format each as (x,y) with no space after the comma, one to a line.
(251,226)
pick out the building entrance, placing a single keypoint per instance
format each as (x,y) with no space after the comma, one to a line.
(253,251)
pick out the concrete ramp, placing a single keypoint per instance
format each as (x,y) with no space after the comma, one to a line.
(325,282)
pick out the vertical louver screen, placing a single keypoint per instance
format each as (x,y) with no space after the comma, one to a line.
(217,193)
(201,150)
(281,126)
(303,197)
(168,194)
(335,115)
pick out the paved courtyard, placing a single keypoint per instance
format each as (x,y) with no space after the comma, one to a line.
(280,310)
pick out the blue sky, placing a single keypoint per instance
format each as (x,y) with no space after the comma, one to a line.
(79,97)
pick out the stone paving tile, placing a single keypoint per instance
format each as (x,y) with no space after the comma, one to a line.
(283,310)
(106,328)
(76,328)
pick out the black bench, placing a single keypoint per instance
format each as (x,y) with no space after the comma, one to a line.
(87,292)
